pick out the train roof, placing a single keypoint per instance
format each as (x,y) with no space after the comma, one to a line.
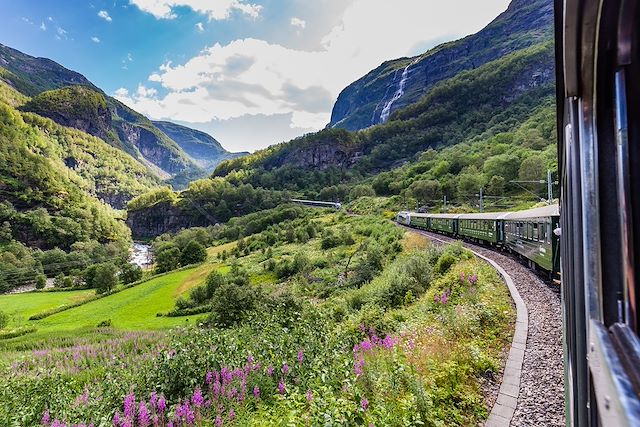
(426,215)
(484,215)
(551,210)
(544,211)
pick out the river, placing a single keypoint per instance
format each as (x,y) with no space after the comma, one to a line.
(141,255)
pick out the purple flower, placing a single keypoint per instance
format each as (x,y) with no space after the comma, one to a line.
(46,418)
(129,405)
(250,359)
(285,368)
(153,400)
(270,370)
(116,419)
(197,399)
(232,414)
(281,387)
(256,392)
(208,378)
(388,342)
(443,299)
(358,367)
(300,356)
(364,404)
(462,277)
(218,421)
(162,404)
(143,415)
(473,279)
(309,395)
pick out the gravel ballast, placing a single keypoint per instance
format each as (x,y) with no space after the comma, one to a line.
(541,398)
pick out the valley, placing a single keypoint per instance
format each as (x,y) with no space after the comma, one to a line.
(188,289)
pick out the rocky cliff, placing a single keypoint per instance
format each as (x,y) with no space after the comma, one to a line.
(395,84)
(160,218)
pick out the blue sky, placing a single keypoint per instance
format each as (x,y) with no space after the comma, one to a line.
(251,73)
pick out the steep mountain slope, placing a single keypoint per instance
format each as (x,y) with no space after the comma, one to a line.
(52,179)
(482,102)
(204,149)
(395,84)
(31,76)
(71,100)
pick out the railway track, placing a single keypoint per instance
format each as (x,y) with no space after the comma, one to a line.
(540,397)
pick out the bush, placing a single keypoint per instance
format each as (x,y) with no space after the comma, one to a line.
(231,303)
(41,281)
(104,324)
(193,253)
(130,273)
(105,278)
(444,263)
(168,259)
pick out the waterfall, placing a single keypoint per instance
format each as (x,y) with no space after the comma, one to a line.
(386,111)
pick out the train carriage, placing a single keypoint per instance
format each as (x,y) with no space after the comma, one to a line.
(486,227)
(443,223)
(530,234)
(418,220)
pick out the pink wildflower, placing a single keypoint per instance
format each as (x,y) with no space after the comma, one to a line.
(300,356)
(143,415)
(256,392)
(281,387)
(129,408)
(197,399)
(218,421)
(364,404)
(309,395)
(285,368)
(46,418)
(270,370)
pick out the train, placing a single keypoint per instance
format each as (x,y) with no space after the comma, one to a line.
(532,234)
(597,46)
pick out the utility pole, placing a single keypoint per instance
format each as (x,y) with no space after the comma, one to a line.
(549,186)
(445,202)
(481,201)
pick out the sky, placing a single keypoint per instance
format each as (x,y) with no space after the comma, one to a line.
(249,72)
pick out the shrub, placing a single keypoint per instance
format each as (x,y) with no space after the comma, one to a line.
(104,324)
(105,278)
(231,303)
(130,273)
(168,260)
(41,281)
(193,253)
(444,263)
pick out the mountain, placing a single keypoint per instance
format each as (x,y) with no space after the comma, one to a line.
(203,149)
(58,184)
(71,100)
(395,84)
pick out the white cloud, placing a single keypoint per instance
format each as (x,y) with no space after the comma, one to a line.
(50,19)
(61,33)
(258,78)
(122,92)
(95,39)
(213,9)
(129,57)
(43,27)
(297,22)
(27,20)
(199,27)
(105,15)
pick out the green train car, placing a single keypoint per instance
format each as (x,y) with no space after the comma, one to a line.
(486,227)
(529,233)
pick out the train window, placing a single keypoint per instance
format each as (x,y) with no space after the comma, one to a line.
(542,231)
(534,231)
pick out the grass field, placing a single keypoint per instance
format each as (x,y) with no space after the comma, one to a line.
(135,308)
(20,307)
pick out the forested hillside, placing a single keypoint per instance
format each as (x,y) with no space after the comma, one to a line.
(71,100)
(473,106)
